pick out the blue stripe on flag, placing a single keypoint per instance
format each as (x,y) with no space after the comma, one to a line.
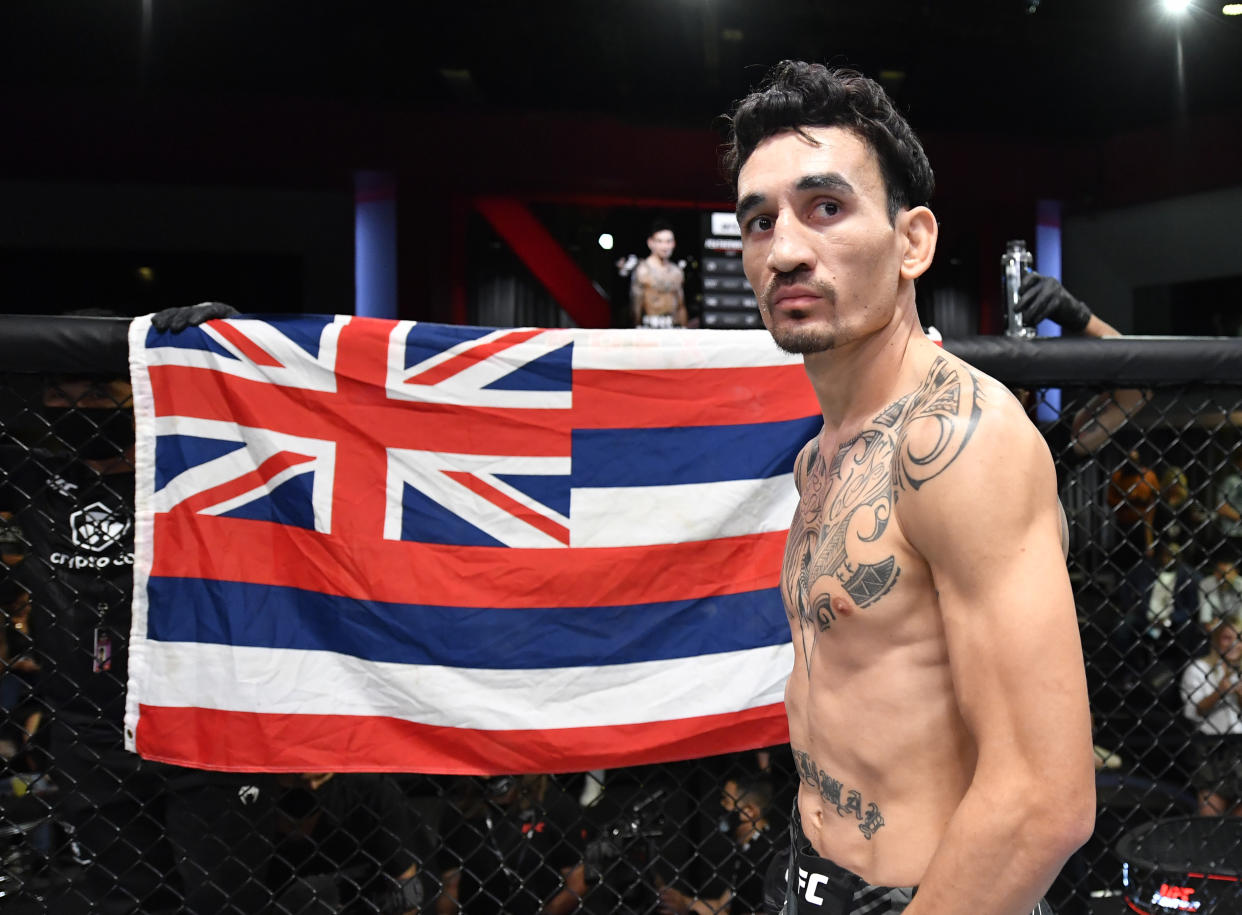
(268,616)
(698,454)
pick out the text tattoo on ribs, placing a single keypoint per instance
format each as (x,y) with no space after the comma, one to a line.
(849,501)
(847,801)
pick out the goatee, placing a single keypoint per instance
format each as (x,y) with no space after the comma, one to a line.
(799,342)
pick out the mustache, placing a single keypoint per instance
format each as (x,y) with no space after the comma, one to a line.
(799,278)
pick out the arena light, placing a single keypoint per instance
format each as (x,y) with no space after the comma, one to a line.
(605,241)
(1232,9)
(1176,7)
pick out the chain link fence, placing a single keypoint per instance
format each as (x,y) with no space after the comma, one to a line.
(1146,440)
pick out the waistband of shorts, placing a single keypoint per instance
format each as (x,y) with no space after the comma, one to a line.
(806,858)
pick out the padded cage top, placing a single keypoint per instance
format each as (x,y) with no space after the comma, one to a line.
(1186,843)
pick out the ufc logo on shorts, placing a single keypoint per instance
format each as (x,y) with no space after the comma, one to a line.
(809,885)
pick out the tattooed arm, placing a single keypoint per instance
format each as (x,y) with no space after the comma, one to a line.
(638,291)
(683,318)
(989,529)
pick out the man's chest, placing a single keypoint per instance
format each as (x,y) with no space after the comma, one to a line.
(663,277)
(845,552)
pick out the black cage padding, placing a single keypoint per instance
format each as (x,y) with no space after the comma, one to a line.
(33,343)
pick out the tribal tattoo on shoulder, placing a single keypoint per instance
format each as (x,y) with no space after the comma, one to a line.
(847,498)
(845,800)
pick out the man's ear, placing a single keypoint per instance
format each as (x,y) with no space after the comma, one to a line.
(918,227)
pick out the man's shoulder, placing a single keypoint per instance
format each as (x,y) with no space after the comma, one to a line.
(994,417)
(951,413)
(968,459)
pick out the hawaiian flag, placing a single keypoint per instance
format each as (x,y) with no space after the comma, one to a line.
(369,545)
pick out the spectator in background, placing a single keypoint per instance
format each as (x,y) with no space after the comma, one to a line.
(1180,519)
(154,837)
(1212,693)
(657,285)
(346,843)
(518,850)
(1161,597)
(19,671)
(1133,490)
(1229,499)
(1220,591)
(15,604)
(732,862)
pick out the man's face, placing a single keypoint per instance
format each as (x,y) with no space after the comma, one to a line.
(817,244)
(89,395)
(662,244)
(94,419)
(1228,645)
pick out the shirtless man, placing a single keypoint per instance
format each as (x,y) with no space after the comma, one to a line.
(657,287)
(938,706)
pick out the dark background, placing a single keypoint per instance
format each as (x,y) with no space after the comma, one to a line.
(219,144)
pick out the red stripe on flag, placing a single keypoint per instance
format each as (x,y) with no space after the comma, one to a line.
(660,398)
(261,552)
(253,742)
(558,532)
(473,356)
(250,350)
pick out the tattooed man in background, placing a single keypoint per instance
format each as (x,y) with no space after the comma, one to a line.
(938,706)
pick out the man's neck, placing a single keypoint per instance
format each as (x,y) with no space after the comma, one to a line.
(855,382)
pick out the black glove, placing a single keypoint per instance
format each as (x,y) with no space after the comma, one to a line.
(1042,297)
(178,319)
(598,855)
(394,899)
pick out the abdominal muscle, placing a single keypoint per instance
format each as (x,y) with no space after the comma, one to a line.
(882,754)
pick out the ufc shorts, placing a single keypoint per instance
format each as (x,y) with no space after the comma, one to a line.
(816,886)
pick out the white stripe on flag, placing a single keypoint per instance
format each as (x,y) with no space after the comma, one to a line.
(644,515)
(643,348)
(290,681)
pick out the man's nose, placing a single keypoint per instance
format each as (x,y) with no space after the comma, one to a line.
(791,250)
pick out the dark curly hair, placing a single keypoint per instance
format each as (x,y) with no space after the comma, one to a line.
(795,95)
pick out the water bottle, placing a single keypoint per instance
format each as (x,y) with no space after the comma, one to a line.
(1015,264)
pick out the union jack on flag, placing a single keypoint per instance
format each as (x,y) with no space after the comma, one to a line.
(369,545)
